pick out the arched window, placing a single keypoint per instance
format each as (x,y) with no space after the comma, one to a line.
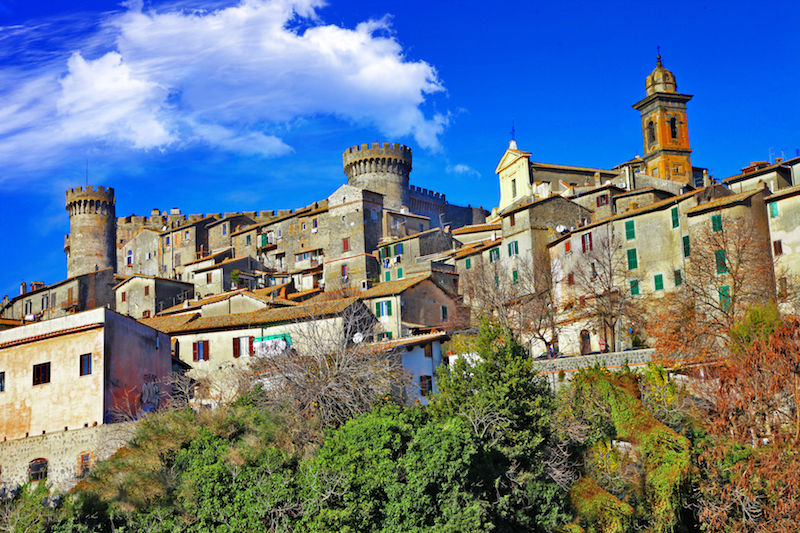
(673,127)
(37,469)
(651,132)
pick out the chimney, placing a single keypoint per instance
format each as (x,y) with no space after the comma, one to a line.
(23,288)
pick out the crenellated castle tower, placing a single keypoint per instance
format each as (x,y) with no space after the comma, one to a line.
(90,245)
(382,168)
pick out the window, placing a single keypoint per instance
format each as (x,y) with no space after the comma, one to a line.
(388,275)
(773,209)
(399,273)
(346,244)
(568,246)
(494,255)
(146,314)
(37,469)
(45,302)
(634,287)
(53,301)
(686,249)
(247,240)
(398,249)
(425,385)
(29,307)
(513,188)
(84,463)
(497,281)
(86,364)
(468,263)
(224,229)
(147,291)
(651,131)
(659,282)
(186,234)
(304,226)
(41,373)
(675,219)
(428,350)
(513,248)
(384,308)
(344,271)
(716,223)
(570,279)
(243,346)
(673,127)
(630,230)
(602,200)
(2,381)
(586,242)
(209,277)
(777,247)
(302,256)
(515,277)
(633,262)
(719,258)
(725,297)
(314,223)
(512,220)
(444,313)
(167,241)
(200,351)
(129,258)
(678,277)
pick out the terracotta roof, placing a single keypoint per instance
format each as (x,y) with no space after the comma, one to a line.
(389,288)
(407,237)
(723,201)
(195,304)
(267,291)
(594,190)
(158,278)
(568,167)
(256,318)
(516,208)
(475,247)
(409,341)
(211,256)
(636,192)
(302,294)
(764,170)
(475,228)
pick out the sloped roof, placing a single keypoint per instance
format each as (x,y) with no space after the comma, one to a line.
(211,256)
(409,341)
(191,323)
(475,228)
(724,201)
(783,193)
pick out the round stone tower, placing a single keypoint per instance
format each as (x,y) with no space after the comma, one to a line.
(90,244)
(383,168)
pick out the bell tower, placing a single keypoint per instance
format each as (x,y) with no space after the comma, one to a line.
(664,127)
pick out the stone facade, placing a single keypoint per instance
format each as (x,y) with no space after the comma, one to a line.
(92,220)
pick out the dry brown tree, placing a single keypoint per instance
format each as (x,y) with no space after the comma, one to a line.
(330,372)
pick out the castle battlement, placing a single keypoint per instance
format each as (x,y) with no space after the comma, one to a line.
(420,192)
(377,150)
(102,194)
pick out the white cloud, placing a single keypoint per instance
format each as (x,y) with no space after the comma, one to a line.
(181,76)
(463,170)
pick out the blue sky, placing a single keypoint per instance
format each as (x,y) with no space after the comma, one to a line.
(245,105)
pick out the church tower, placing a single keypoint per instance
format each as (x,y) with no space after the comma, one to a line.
(666,134)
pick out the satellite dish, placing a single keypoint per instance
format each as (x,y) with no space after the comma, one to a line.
(560,228)
(358,338)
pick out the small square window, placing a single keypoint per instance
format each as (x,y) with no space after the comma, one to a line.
(444,313)
(41,373)
(86,364)
(425,385)
(247,240)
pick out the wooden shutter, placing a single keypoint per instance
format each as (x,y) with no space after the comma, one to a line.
(205,350)
(252,341)
(236,346)
(378,309)
(194,351)
(389,308)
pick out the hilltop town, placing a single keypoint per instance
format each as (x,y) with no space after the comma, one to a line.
(566,260)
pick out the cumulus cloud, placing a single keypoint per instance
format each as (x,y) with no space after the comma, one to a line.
(175,76)
(463,170)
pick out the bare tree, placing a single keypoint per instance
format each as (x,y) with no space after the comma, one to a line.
(519,294)
(604,284)
(331,371)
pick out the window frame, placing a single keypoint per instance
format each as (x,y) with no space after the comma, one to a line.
(37,469)
(494,254)
(777,248)
(85,363)
(41,374)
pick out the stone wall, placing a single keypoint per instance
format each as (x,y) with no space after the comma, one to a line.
(552,369)
(63,452)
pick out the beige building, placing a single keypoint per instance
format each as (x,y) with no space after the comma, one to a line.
(145,296)
(68,374)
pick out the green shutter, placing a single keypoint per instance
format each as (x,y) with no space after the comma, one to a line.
(389,335)
(399,273)
(515,276)
(716,223)
(634,287)
(378,309)
(510,249)
(389,308)
(773,209)
(725,297)
(686,249)
(630,230)
(659,282)
(468,263)
(675,220)
(388,275)
(678,277)
(633,263)
(444,312)
(719,257)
